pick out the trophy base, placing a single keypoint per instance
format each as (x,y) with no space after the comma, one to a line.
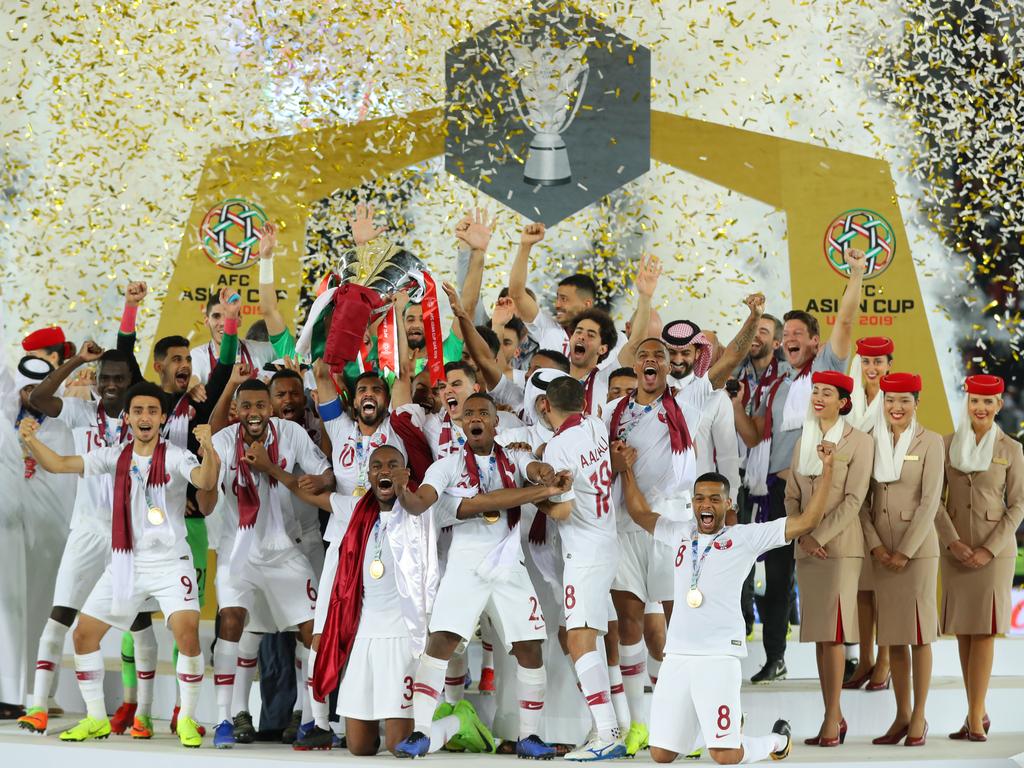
(547,162)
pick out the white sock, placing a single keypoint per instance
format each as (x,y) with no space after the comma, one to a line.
(248,647)
(653,668)
(488,655)
(145,667)
(190,682)
(441,732)
(225,657)
(89,671)
(320,710)
(593,676)
(851,652)
(455,678)
(757,748)
(530,685)
(633,663)
(619,702)
(426,691)
(51,648)
(301,689)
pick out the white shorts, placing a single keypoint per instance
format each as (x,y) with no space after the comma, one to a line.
(286,584)
(377,683)
(512,605)
(171,583)
(586,597)
(696,695)
(312,546)
(85,557)
(645,567)
(326,584)
(653,608)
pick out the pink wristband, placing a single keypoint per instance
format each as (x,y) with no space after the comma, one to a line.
(231,326)
(128,317)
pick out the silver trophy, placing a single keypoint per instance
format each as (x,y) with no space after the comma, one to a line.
(382,266)
(551,83)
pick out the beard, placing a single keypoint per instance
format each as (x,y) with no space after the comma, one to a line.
(417,343)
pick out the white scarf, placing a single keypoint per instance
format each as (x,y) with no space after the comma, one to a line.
(863,415)
(966,453)
(413,540)
(797,398)
(889,458)
(809,463)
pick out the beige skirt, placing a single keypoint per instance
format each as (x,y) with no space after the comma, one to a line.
(976,601)
(867,580)
(906,602)
(828,599)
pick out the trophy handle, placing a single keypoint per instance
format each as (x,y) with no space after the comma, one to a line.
(579,100)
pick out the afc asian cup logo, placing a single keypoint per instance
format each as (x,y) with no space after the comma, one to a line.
(231,232)
(866,231)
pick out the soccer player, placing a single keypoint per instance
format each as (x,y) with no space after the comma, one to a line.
(259,553)
(93,424)
(150,558)
(586,524)
(479,489)
(698,691)
(215,317)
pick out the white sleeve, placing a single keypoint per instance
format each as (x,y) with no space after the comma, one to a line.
(694,395)
(102,461)
(342,508)
(541,324)
(307,454)
(521,460)
(557,455)
(75,412)
(507,392)
(670,532)
(761,537)
(184,462)
(442,474)
(416,412)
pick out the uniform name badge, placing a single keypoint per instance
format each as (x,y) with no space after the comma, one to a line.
(155,515)
(377,569)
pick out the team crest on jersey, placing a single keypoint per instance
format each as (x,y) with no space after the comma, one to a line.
(727,544)
(662,417)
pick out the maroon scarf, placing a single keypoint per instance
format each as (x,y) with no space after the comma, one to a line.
(505,470)
(121,521)
(245,487)
(246,358)
(588,391)
(767,379)
(678,433)
(346,600)
(417,448)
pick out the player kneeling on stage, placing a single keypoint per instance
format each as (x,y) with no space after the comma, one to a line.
(698,691)
(150,557)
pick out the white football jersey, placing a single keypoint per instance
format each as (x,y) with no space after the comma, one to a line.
(93,495)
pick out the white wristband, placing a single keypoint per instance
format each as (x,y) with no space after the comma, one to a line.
(266,270)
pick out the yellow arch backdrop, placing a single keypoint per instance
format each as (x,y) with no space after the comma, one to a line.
(811,184)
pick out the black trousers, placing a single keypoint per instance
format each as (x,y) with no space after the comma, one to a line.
(744,514)
(776,605)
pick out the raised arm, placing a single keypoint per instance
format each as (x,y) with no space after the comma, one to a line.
(256,456)
(636,502)
(805,522)
(220,417)
(475,231)
(750,428)
(414,502)
(525,304)
(647,275)
(44,396)
(849,305)
(401,387)
(268,286)
(204,477)
(221,373)
(134,293)
(48,459)
(740,345)
(478,349)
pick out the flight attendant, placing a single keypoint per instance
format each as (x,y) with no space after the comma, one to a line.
(984,505)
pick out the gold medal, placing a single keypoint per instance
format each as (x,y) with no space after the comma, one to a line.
(376,569)
(155,516)
(492,518)
(359,491)
(694,598)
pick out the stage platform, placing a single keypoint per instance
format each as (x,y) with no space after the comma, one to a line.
(797,699)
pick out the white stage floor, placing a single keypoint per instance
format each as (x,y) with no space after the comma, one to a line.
(22,749)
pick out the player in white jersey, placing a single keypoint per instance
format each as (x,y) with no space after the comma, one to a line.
(586,524)
(150,557)
(259,549)
(94,424)
(698,692)
(478,490)
(254,354)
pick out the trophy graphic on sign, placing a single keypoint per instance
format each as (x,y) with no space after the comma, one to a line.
(551,83)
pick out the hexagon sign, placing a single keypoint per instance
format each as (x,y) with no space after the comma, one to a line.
(548,111)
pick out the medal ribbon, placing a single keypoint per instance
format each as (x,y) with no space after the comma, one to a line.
(698,565)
